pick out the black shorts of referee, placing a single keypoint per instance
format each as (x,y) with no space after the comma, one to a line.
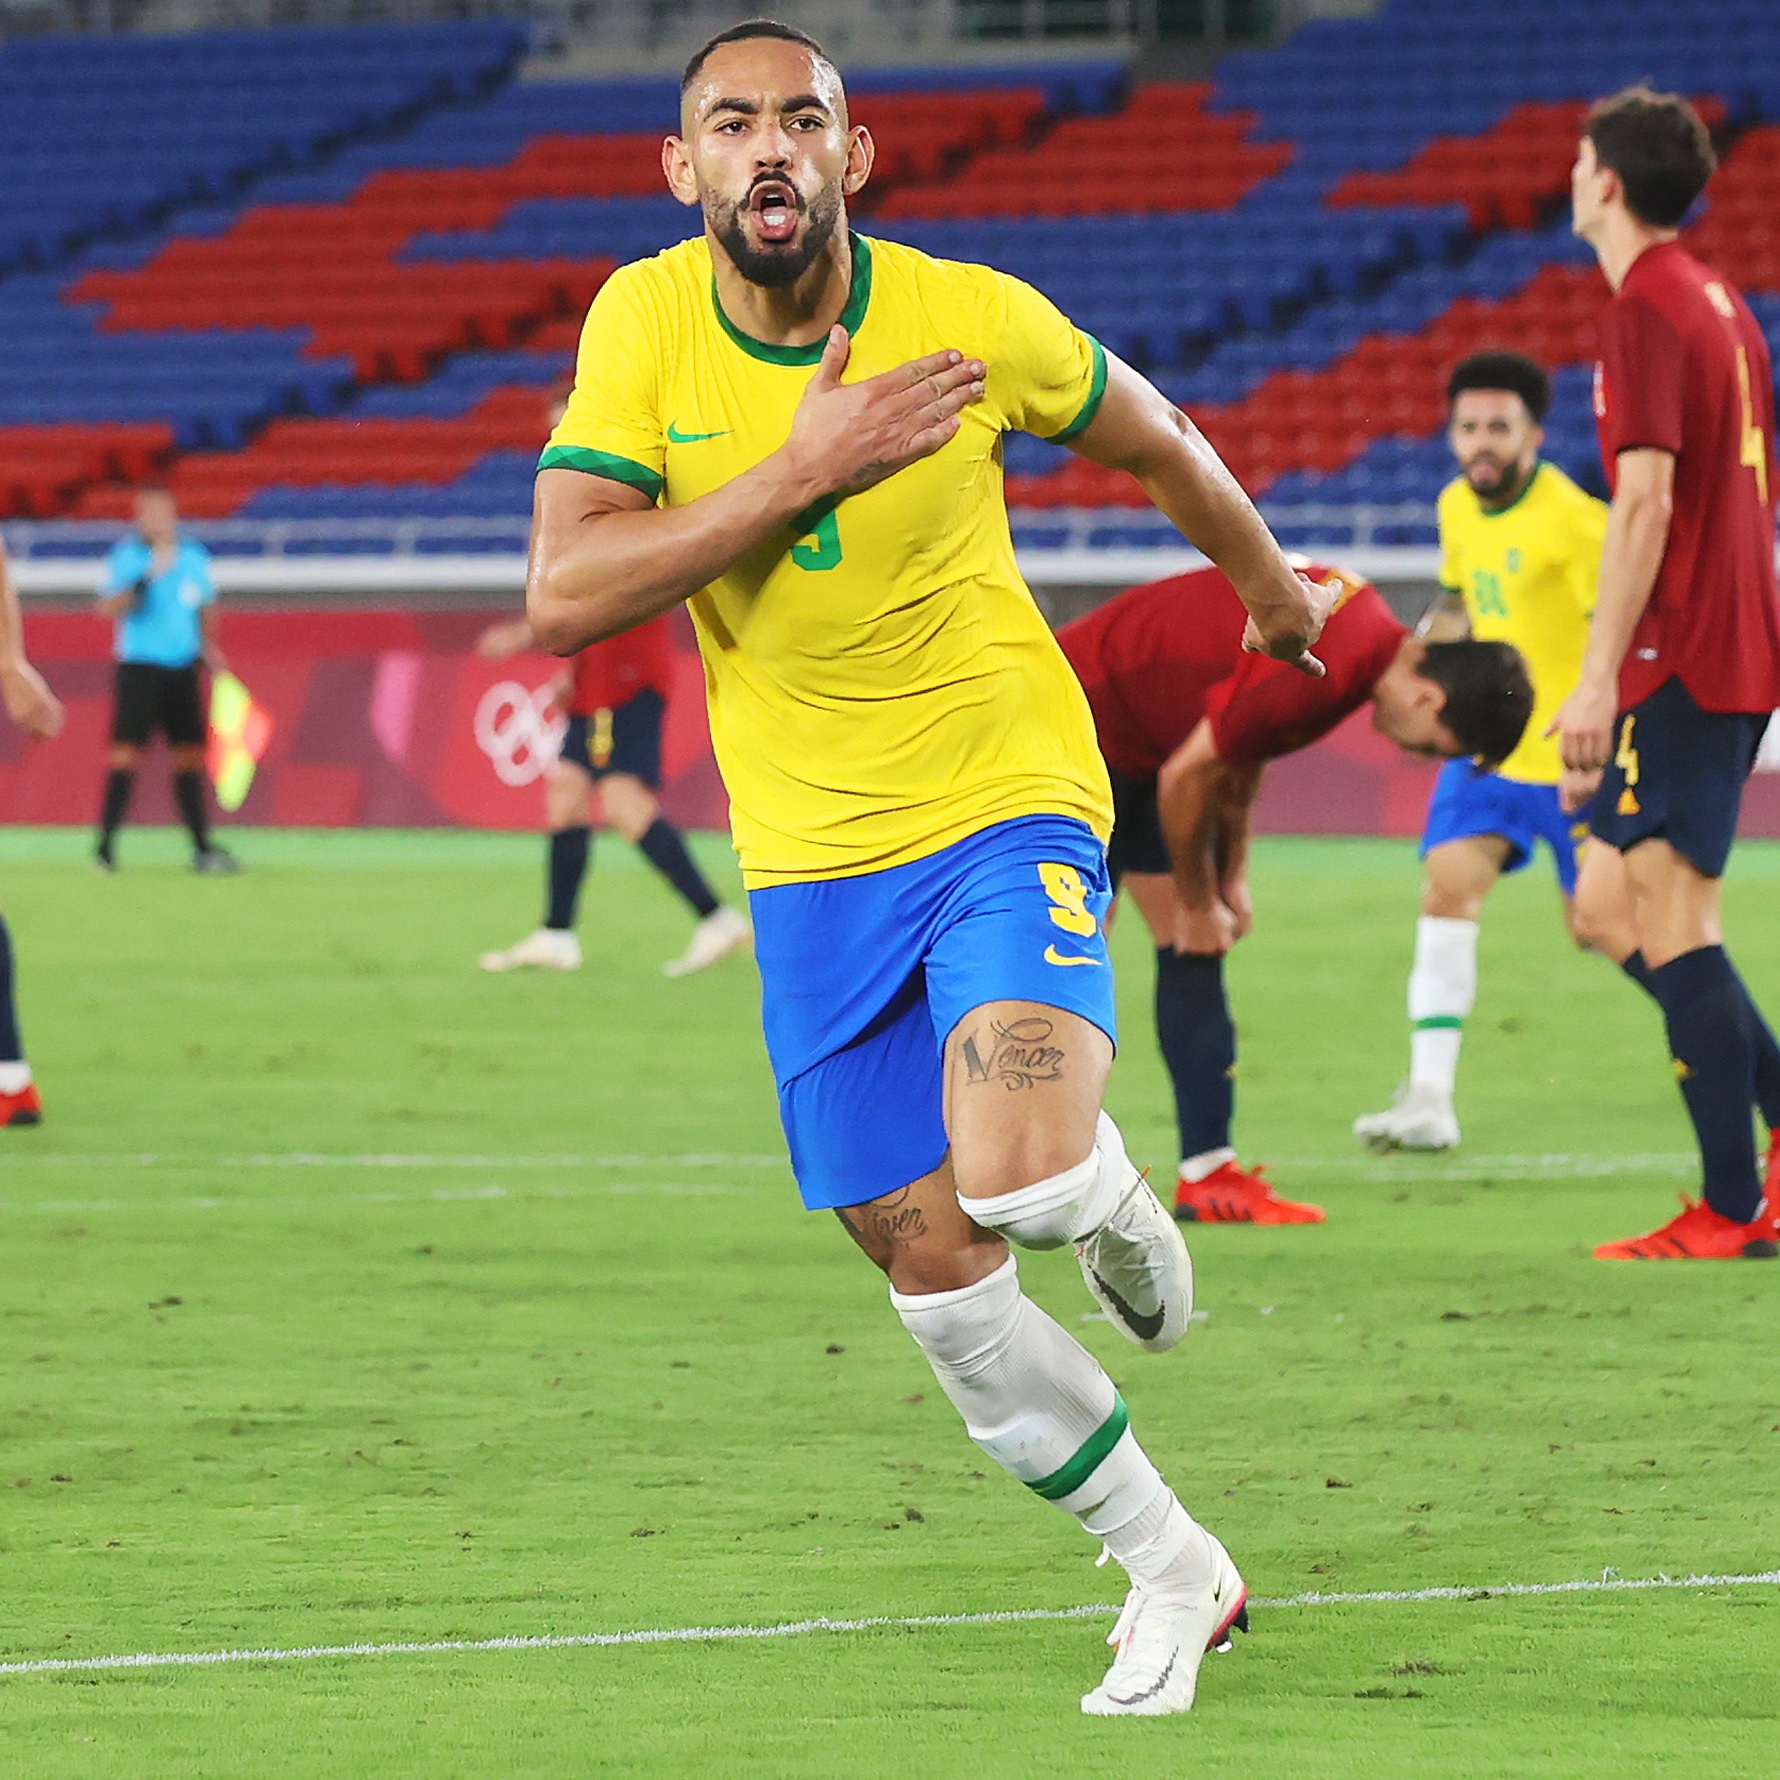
(150,698)
(624,739)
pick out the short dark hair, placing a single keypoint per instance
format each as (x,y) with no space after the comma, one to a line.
(745,32)
(1489,698)
(1660,148)
(1510,371)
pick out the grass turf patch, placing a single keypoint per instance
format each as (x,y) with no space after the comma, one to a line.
(356,1295)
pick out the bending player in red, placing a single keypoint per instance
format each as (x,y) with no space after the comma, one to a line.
(1186,723)
(1683,659)
(614,695)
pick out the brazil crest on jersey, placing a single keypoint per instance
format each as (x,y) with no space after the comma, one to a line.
(1527,573)
(880,682)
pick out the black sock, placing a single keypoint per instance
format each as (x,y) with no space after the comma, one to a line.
(569,850)
(1707,1013)
(118,785)
(12,1047)
(1198,1040)
(1767,1060)
(1639,972)
(665,849)
(188,794)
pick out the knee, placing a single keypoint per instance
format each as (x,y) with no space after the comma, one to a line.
(1063,1207)
(1446,902)
(921,1270)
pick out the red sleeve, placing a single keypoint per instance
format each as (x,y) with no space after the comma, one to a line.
(1266,709)
(1644,364)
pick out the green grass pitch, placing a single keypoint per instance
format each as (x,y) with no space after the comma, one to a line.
(350,1295)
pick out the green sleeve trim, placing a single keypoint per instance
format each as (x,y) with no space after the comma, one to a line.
(604,463)
(1091,406)
(1439,1023)
(1069,1477)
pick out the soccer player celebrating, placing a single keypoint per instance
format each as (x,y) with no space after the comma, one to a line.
(158,588)
(37,711)
(1683,659)
(614,696)
(1186,723)
(1520,550)
(798,430)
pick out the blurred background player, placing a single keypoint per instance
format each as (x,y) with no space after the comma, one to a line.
(1186,722)
(1520,550)
(614,695)
(36,710)
(159,589)
(1682,665)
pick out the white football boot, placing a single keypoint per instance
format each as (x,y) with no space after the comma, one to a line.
(550,948)
(1136,1264)
(1162,1635)
(1418,1119)
(721,932)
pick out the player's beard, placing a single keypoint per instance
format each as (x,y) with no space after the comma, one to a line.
(1499,486)
(783,263)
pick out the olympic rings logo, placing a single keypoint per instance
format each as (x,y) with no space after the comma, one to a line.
(519,730)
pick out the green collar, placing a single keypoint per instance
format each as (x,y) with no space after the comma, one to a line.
(1497,512)
(857,297)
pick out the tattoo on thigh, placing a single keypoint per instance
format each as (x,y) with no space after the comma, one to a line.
(887,1222)
(1016,1056)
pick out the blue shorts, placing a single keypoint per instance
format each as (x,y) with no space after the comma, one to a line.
(1677,775)
(1467,802)
(625,739)
(863,980)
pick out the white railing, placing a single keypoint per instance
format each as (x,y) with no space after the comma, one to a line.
(368,557)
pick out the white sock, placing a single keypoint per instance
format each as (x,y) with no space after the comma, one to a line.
(1197,1168)
(1066,1207)
(15,1078)
(1037,1402)
(1442,987)
(1163,1539)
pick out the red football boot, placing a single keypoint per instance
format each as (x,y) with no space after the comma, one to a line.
(22,1108)
(1697,1234)
(1770,1186)
(1231,1194)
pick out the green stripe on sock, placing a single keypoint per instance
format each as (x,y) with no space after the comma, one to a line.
(1440,1023)
(1070,1476)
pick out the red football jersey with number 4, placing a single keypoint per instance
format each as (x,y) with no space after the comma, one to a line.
(1684,369)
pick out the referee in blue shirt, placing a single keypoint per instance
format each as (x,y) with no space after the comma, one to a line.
(159,589)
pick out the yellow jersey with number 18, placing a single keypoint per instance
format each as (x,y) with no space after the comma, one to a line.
(880,681)
(1527,573)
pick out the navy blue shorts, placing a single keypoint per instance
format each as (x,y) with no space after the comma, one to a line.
(1677,775)
(863,980)
(1137,843)
(1467,802)
(625,739)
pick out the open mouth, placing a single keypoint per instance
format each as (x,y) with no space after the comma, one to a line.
(775,206)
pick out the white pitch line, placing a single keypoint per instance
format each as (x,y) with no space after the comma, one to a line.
(438,1196)
(797,1628)
(1402,1166)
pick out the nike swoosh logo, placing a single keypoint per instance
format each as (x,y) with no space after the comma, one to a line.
(676,437)
(1149,1327)
(1053,956)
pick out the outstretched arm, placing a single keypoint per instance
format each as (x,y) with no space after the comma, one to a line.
(1204,805)
(1139,430)
(605,558)
(29,701)
(1637,536)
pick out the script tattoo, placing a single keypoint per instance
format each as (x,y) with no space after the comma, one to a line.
(1019,1055)
(887,1223)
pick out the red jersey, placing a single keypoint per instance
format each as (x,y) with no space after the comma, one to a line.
(1157,659)
(609,674)
(1684,369)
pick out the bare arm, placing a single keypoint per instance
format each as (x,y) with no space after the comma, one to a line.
(501,642)
(29,701)
(1204,812)
(605,558)
(1236,803)
(1637,535)
(209,650)
(1139,430)
(1446,621)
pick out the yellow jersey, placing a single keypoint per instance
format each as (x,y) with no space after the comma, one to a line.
(1527,574)
(880,682)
